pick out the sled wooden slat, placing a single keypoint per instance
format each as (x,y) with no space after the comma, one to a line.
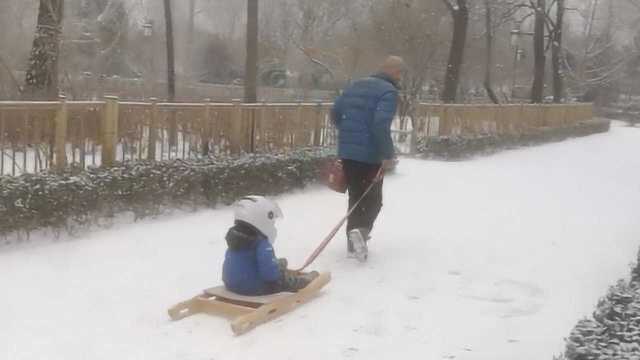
(222,292)
(246,312)
(281,306)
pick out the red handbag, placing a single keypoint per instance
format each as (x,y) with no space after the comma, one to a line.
(335,178)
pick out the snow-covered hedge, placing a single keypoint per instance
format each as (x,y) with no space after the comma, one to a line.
(71,199)
(457,148)
(613,332)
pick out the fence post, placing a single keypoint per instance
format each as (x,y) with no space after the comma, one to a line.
(298,125)
(236,125)
(153,130)
(252,130)
(444,128)
(110,130)
(61,135)
(263,128)
(317,126)
(524,123)
(206,126)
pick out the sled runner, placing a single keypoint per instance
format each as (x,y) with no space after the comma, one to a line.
(246,312)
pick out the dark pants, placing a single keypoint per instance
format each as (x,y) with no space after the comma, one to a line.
(359,176)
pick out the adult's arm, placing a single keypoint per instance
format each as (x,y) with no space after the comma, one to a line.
(381,126)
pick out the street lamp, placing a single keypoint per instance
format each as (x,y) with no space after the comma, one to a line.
(518,52)
(147,31)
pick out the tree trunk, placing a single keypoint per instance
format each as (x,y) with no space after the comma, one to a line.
(191,37)
(460,15)
(251,66)
(171,71)
(489,63)
(556,53)
(42,72)
(537,90)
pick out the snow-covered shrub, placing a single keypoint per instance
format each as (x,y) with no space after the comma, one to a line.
(461,147)
(614,330)
(635,273)
(66,200)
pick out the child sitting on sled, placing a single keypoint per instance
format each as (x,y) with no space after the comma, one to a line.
(250,265)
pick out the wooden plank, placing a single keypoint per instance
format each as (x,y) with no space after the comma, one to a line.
(246,312)
(208,305)
(225,309)
(206,128)
(236,129)
(153,131)
(279,307)
(222,292)
(25,141)
(61,135)
(317,124)
(82,142)
(110,131)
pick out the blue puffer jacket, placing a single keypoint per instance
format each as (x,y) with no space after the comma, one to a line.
(250,265)
(363,116)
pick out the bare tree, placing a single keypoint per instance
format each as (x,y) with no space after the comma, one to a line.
(171,71)
(460,15)
(489,28)
(409,29)
(42,71)
(191,34)
(171,68)
(251,66)
(316,24)
(318,20)
(596,65)
(556,51)
(537,90)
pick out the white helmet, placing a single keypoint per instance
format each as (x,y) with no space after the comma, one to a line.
(260,213)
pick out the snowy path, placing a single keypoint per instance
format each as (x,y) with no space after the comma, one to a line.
(495,258)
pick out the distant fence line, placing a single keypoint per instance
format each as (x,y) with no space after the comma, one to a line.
(55,134)
(488,119)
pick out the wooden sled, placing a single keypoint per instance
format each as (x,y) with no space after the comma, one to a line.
(246,312)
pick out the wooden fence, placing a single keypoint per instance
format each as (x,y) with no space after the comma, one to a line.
(39,135)
(483,120)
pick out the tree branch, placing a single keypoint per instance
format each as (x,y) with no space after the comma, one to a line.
(316,61)
(449,6)
(13,78)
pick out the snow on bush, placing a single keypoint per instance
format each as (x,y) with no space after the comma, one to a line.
(456,148)
(614,331)
(74,198)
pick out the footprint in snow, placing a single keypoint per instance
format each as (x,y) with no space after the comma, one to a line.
(513,298)
(350,351)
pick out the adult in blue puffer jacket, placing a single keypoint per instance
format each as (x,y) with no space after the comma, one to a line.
(363,115)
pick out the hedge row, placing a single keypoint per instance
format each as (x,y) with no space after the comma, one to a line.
(460,148)
(71,199)
(613,332)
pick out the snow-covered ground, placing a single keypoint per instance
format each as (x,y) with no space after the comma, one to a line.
(495,258)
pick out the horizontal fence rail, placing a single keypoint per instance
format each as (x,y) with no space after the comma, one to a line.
(36,136)
(484,120)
